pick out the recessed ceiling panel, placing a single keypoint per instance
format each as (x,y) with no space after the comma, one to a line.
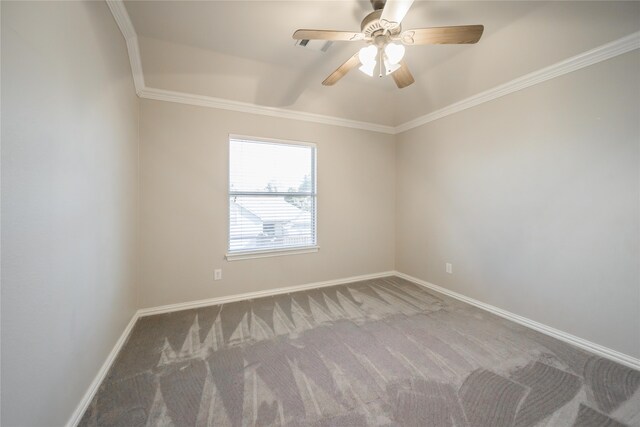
(243,50)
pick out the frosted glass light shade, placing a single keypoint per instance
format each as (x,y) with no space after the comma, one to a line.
(394,52)
(368,68)
(390,68)
(367,55)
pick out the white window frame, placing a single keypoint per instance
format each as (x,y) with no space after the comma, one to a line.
(264,253)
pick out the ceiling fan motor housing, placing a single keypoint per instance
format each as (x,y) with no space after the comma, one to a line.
(371,26)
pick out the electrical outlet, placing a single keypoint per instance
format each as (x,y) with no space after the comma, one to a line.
(217,274)
(449,268)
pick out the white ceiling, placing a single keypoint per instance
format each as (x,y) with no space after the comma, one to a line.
(243,51)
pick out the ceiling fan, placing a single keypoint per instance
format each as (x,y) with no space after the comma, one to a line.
(382,31)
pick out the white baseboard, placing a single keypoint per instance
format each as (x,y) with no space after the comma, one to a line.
(102,373)
(592,347)
(258,294)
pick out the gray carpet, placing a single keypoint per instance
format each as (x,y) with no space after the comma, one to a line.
(380,352)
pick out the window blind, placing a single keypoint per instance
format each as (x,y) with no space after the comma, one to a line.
(272,195)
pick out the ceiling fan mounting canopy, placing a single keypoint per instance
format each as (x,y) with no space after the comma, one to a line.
(382,30)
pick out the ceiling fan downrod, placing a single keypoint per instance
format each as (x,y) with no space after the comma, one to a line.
(378,4)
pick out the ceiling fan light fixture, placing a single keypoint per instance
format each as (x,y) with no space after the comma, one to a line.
(367,55)
(394,52)
(368,68)
(389,67)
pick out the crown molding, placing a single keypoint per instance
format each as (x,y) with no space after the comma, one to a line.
(121,16)
(585,59)
(590,57)
(245,107)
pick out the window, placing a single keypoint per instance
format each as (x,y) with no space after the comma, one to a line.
(272,197)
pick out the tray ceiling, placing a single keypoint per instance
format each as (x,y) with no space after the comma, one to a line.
(243,51)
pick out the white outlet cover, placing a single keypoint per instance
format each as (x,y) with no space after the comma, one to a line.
(217,274)
(449,268)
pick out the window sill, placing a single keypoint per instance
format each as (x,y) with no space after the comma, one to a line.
(237,256)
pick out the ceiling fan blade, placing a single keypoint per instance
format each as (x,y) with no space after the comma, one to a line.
(443,35)
(402,76)
(327,35)
(394,12)
(342,70)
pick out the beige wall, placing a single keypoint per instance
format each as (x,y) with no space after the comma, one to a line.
(535,200)
(184,184)
(69,200)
